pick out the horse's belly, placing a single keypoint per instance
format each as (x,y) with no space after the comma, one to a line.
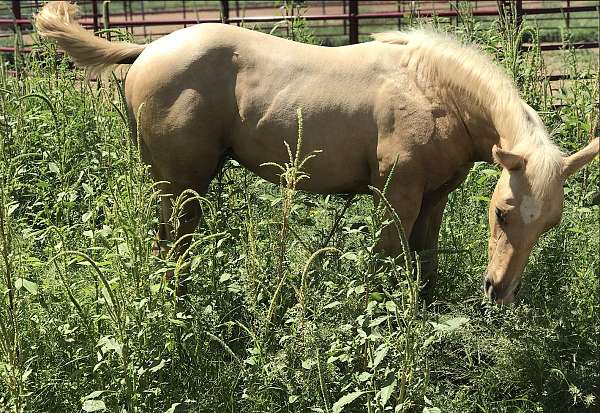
(339,162)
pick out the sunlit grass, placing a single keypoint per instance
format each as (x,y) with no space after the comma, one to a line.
(88,320)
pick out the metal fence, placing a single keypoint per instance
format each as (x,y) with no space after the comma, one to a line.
(350,16)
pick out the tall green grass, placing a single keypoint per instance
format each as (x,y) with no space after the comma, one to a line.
(289,308)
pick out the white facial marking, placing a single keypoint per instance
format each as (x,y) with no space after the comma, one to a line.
(530,209)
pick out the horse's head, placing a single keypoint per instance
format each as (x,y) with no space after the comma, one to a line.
(518,215)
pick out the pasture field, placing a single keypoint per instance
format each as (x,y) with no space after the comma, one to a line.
(286,312)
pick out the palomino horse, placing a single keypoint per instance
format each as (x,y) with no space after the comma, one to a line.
(417,99)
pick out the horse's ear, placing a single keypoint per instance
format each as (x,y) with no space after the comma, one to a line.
(578,160)
(507,160)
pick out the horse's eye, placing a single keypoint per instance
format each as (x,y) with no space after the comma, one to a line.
(501,215)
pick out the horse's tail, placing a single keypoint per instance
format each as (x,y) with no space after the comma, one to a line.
(58,21)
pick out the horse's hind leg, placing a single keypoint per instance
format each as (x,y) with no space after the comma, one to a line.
(178,192)
(188,175)
(179,216)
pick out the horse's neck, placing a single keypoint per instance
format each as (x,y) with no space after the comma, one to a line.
(484,136)
(484,131)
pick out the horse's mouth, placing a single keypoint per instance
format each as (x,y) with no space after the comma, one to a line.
(509,297)
(517,288)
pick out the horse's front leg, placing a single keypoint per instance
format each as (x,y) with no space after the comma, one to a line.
(405,198)
(424,241)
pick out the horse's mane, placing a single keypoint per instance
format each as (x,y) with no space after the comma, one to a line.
(442,60)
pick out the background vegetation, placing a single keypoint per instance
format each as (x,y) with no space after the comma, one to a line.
(286,311)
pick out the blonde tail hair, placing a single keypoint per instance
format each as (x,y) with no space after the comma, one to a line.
(58,21)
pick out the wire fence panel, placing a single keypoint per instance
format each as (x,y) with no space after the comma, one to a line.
(334,22)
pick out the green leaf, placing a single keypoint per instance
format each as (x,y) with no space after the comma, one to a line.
(158,367)
(350,256)
(431,410)
(105,294)
(428,341)
(386,392)
(390,306)
(172,408)
(380,354)
(454,323)
(12,207)
(25,375)
(30,286)
(331,305)
(308,363)
(364,376)
(53,167)
(177,322)
(85,217)
(378,320)
(88,189)
(93,405)
(108,343)
(449,325)
(94,394)
(480,198)
(346,400)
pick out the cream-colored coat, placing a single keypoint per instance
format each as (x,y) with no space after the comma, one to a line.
(416,99)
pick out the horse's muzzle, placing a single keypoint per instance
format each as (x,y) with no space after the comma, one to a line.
(500,293)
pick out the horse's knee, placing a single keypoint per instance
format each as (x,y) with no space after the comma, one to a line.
(188,218)
(389,241)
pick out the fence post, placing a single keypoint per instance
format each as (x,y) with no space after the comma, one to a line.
(225,11)
(512,9)
(519,12)
(95,14)
(16,9)
(106,17)
(125,9)
(400,9)
(143,10)
(353,21)
(344,12)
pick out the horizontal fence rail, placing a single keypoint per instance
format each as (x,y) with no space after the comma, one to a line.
(483,11)
(350,18)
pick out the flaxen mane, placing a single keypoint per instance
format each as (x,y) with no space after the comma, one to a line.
(442,60)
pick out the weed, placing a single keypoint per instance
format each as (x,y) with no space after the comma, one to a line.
(290,307)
